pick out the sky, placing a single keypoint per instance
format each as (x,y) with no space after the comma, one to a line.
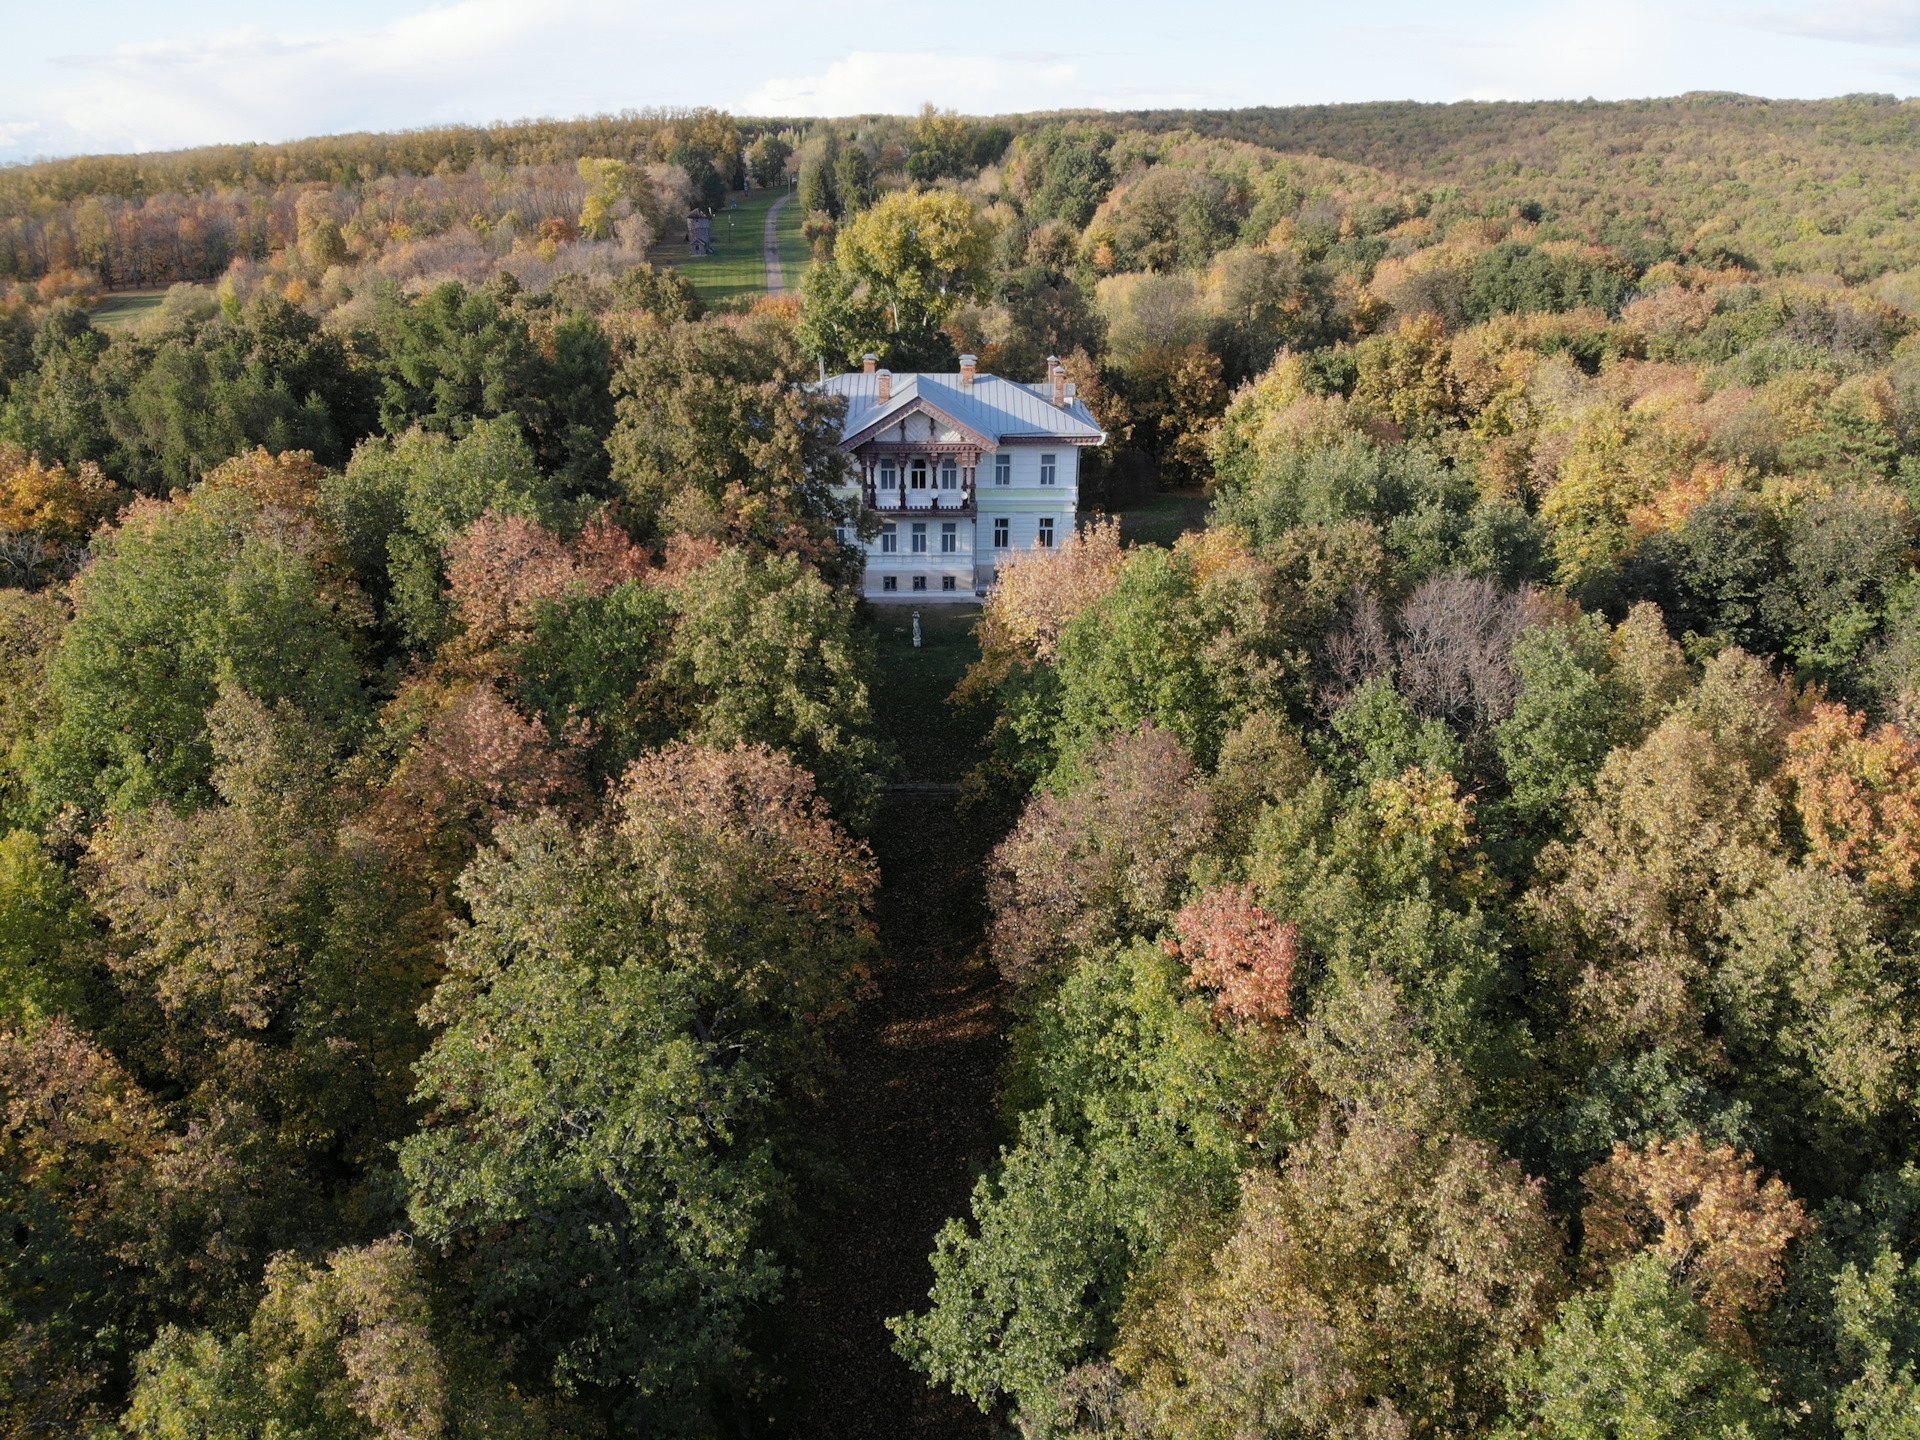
(120,75)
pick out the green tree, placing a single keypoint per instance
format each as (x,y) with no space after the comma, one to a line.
(853,180)
(30,629)
(1131,1132)
(899,271)
(1066,171)
(48,957)
(1387,1275)
(592,659)
(454,356)
(1634,1359)
(716,436)
(358,1348)
(819,176)
(767,653)
(399,503)
(613,1168)
(1186,639)
(703,175)
(277,954)
(56,408)
(767,161)
(232,584)
(205,391)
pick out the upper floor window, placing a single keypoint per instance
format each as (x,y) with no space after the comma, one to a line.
(889,539)
(917,475)
(843,534)
(949,474)
(1002,533)
(1047,468)
(1045,538)
(949,538)
(919,537)
(889,477)
(1003,469)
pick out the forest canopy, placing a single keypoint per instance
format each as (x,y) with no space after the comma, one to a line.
(1454,907)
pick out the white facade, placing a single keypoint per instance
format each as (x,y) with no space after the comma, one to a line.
(961,470)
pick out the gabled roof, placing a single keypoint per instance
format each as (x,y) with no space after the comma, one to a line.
(994,409)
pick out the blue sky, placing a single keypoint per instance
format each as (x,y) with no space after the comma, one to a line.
(94,75)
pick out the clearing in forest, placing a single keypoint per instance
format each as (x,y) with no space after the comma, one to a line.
(737,269)
(912,1117)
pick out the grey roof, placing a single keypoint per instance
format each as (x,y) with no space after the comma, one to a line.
(996,408)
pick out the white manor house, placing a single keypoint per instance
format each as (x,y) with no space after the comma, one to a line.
(962,470)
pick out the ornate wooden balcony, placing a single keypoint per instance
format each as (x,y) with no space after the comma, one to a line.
(957,504)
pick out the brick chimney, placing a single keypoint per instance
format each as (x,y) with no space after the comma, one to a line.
(1059,384)
(867,362)
(968,366)
(886,386)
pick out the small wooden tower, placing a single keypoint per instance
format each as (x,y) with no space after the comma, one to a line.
(699,232)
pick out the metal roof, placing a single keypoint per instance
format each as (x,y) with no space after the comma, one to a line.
(992,407)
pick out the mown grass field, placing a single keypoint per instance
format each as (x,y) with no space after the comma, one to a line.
(126,307)
(737,269)
(796,254)
(938,742)
(1163,519)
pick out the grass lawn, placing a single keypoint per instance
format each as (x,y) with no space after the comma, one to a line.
(1163,519)
(796,252)
(126,307)
(937,742)
(738,266)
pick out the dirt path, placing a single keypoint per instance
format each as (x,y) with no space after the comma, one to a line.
(912,1116)
(912,1121)
(776,278)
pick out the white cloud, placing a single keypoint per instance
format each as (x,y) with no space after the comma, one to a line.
(1859,22)
(872,81)
(478,60)
(1569,50)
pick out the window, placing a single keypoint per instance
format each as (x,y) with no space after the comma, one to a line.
(917,475)
(947,582)
(919,537)
(889,582)
(843,534)
(1045,539)
(1003,469)
(889,539)
(889,477)
(1001,536)
(1047,466)
(919,582)
(949,474)
(949,538)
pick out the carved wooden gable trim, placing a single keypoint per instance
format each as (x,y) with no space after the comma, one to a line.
(919,424)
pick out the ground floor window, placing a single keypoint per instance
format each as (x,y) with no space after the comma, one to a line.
(919,582)
(920,537)
(1002,533)
(949,537)
(889,582)
(889,539)
(1045,540)
(947,582)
